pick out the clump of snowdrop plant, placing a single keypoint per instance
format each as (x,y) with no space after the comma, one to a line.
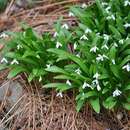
(27,52)
(101,71)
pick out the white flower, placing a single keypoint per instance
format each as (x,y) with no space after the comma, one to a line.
(78,71)
(96,83)
(55,34)
(108,9)
(75,46)
(110,17)
(104,47)
(19,46)
(58,44)
(96,76)
(84,37)
(127,25)
(85,85)
(14,62)
(84,5)
(98,34)
(59,94)
(40,79)
(48,65)
(115,45)
(78,55)
(116,93)
(121,41)
(68,82)
(101,57)
(4,60)
(65,26)
(106,37)
(127,67)
(3,35)
(126,3)
(113,62)
(94,49)
(104,4)
(88,30)
(71,14)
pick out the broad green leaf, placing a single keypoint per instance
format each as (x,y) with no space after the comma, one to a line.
(126,106)
(79,105)
(95,104)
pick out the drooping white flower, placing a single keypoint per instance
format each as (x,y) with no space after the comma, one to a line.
(101,57)
(84,37)
(75,46)
(126,3)
(98,34)
(14,62)
(98,87)
(108,9)
(127,67)
(85,85)
(105,47)
(55,34)
(113,62)
(65,26)
(78,55)
(68,82)
(127,25)
(4,60)
(78,71)
(84,5)
(40,79)
(94,49)
(71,14)
(96,83)
(121,41)
(112,17)
(106,37)
(3,35)
(88,30)
(58,44)
(104,4)
(19,46)
(48,65)
(115,45)
(116,93)
(96,76)
(59,94)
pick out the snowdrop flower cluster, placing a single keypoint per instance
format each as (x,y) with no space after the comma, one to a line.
(59,94)
(84,37)
(58,44)
(101,57)
(88,30)
(117,93)
(14,62)
(111,17)
(106,37)
(3,35)
(71,14)
(105,47)
(85,85)
(127,25)
(121,41)
(19,46)
(127,67)
(78,71)
(108,9)
(94,49)
(65,26)
(68,82)
(84,5)
(4,60)
(96,82)
(126,3)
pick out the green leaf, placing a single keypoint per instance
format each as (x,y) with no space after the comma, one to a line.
(115,70)
(15,71)
(89,94)
(79,105)
(126,106)
(95,104)
(109,103)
